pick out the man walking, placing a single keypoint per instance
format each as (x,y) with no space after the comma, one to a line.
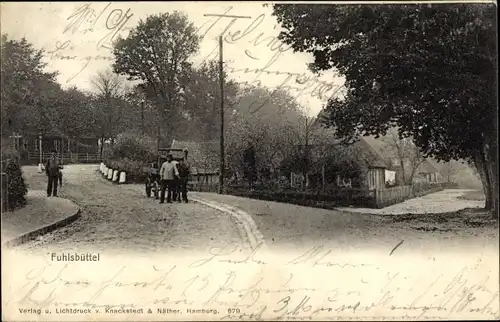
(52,171)
(183,168)
(168,172)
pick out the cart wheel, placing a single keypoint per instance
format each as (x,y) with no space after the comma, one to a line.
(148,189)
(156,188)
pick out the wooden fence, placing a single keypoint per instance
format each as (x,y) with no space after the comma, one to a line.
(65,158)
(390,196)
(203,186)
(377,198)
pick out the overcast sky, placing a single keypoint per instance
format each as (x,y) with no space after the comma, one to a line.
(80,52)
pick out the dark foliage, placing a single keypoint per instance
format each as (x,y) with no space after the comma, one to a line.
(17,188)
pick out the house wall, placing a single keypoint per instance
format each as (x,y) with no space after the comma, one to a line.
(375,178)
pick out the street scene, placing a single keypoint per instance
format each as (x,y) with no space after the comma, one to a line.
(120,218)
(303,130)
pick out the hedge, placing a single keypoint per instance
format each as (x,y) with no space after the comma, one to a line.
(133,146)
(347,197)
(17,188)
(131,153)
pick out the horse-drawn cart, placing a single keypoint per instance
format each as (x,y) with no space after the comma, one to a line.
(152,184)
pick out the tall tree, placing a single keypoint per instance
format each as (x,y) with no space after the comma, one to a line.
(110,105)
(156,52)
(202,100)
(24,80)
(143,115)
(405,153)
(266,122)
(430,69)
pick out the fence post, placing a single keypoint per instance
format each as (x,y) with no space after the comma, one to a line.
(87,158)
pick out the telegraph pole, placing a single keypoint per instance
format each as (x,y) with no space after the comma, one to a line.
(221,77)
(142,117)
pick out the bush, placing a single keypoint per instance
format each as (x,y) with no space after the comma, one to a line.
(131,153)
(134,147)
(17,188)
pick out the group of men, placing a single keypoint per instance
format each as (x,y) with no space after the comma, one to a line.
(174,176)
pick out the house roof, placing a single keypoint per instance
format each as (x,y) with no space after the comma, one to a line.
(427,166)
(379,153)
(203,157)
(369,154)
(365,150)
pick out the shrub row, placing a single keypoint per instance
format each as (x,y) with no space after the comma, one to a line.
(346,197)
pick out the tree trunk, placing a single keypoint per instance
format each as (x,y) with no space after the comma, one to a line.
(493,163)
(491,160)
(485,173)
(493,189)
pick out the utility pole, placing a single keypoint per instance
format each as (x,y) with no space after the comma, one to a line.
(142,116)
(158,137)
(221,77)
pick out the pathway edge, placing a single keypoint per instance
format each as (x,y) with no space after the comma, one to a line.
(24,238)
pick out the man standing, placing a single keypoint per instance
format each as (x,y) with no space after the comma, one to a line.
(168,172)
(176,192)
(183,168)
(52,172)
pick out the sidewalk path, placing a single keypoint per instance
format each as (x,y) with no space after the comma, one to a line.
(40,213)
(293,225)
(120,219)
(289,226)
(434,203)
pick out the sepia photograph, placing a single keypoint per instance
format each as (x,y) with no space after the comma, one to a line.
(247,161)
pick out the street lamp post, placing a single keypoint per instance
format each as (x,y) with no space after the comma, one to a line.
(41,153)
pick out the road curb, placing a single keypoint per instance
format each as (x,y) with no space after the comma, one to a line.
(408,214)
(44,229)
(254,236)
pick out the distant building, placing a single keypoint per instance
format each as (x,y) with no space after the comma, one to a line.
(380,162)
(69,150)
(459,172)
(424,170)
(370,163)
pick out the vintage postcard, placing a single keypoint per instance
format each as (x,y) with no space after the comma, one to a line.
(249,161)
